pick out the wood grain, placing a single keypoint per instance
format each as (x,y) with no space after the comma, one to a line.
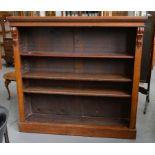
(77,55)
(136,77)
(75,76)
(117,21)
(15,36)
(78,129)
(77,92)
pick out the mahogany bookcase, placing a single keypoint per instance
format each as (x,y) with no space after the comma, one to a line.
(78,75)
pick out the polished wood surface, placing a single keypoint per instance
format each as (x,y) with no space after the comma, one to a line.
(77,92)
(78,130)
(136,77)
(110,21)
(9,77)
(77,55)
(15,36)
(75,76)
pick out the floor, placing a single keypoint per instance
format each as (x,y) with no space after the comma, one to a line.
(145,123)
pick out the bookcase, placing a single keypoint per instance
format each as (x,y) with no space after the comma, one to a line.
(78,75)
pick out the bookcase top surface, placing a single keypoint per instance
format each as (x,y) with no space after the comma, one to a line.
(112,21)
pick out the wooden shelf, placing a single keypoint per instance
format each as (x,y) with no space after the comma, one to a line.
(77,55)
(77,92)
(83,120)
(75,76)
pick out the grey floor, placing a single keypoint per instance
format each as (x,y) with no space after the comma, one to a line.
(145,123)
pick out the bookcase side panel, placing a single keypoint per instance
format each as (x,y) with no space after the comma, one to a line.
(15,35)
(136,76)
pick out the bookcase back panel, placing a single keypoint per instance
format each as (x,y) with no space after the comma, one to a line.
(78,39)
(79,106)
(77,65)
(46,39)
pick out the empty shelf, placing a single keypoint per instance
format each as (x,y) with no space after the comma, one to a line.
(78,55)
(77,92)
(75,76)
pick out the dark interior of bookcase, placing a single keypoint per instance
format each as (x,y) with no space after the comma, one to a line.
(77,75)
(78,40)
(77,109)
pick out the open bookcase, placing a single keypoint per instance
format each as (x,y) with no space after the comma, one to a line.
(78,75)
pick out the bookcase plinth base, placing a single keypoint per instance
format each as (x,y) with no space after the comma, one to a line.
(78,130)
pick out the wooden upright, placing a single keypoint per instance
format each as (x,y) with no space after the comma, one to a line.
(78,75)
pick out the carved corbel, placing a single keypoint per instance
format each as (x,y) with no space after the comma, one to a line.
(139,38)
